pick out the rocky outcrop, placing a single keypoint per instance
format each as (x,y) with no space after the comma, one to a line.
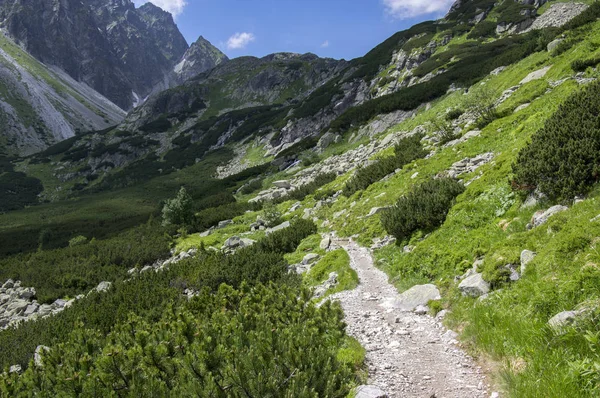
(557,15)
(202,56)
(45,105)
(469,165)
(117,49)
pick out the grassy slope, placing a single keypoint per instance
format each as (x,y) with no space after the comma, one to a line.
(511,327)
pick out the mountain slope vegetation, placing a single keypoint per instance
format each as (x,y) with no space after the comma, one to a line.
(468,142)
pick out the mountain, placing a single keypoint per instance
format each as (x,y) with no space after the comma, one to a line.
(41,106)
(290,102)
(121,51)
(200,57)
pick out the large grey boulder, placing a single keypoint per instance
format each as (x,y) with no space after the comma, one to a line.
(369,391)
(541,217)
(563,319)
(417,296)
(527,256)
(474,286)
(223,224)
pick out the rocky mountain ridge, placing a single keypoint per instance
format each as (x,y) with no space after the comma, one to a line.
(121,51)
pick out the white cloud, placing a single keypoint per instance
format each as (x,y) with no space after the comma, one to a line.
(175,7)
(325,44)
(240,40)
(412,8)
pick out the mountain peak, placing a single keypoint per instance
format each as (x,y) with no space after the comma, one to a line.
(200,57)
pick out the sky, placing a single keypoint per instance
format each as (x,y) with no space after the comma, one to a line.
(329,28)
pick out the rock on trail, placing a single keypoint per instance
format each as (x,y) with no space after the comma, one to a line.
(408,355)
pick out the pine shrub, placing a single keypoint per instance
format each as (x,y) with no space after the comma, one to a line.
(407,150)
(563,158)
(425,208)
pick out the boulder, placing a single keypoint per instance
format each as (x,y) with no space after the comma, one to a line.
(553,44)
(325,243)
(283,184)
(417,296)
(538,74)
(31,309)
(527,256)
(369,391)
(26,293)
(223,224)
(541,217)
(103,287)
(279,227)
(232,243)
(563,319)
(474,286)
(60,303)
(310,258)
(15,369)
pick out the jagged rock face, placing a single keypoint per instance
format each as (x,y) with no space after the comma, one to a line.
(200,57)
(39,109)
(110,45)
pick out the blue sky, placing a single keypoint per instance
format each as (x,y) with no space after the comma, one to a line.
(328,28)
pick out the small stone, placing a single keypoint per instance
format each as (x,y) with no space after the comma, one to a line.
(369,391)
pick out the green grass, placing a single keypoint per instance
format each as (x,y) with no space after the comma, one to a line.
(334,261)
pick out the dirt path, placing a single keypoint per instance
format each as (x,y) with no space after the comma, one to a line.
(408,355)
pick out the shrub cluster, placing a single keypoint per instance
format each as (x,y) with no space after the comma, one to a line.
(407,150)
(80,267)
(579,65)
(425,208)
(17,190)
(261,342)
(563,158)
(150,293)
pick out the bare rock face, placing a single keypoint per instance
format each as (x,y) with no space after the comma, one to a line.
(115,48)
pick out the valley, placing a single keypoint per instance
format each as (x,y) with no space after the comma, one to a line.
(420,221)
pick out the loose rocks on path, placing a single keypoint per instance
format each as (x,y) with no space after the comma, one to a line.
(408,355)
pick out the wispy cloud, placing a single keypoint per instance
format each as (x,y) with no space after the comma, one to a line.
(175,7)
(240,40)
(411,8)
(325,44)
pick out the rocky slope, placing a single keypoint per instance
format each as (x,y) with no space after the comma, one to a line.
(40,105)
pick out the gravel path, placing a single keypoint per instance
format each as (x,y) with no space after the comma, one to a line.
(408,355)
